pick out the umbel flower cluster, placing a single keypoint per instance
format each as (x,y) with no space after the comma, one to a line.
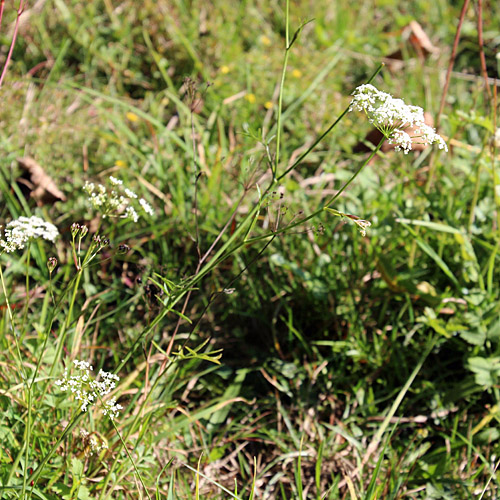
(18,232)
(117,200)
(91,390)
(395,119)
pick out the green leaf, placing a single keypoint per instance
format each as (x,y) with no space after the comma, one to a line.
(76,467)
(486,370)
(493,333)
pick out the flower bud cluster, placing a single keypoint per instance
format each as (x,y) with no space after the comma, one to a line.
(116,200)
(100,242)
(89,390)
(394,118)
(18,232)
(79,230)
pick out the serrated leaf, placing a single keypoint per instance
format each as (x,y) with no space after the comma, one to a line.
(486,370)
(493,333)
(476,336)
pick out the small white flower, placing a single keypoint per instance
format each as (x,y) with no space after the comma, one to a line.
(130,193)
(130,213)
(392,117)
(146,206)
(401,139)
(92,442)
(115,181)
(362,225)
(18,232)
(117,201)
(89,390)
(111,408)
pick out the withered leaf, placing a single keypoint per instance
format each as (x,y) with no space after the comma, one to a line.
(417,42)
(39,184)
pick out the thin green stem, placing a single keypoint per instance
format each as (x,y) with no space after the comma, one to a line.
(493,155)
(27,286)
(131,460)
(477,185)
(325,206)
(27,439)
(67,322)
(12,325)
(34,477)
(282,86)
(325,133)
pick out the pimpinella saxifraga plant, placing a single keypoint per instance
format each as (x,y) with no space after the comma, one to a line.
(114,202)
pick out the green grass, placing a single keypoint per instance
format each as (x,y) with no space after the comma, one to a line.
(314,363)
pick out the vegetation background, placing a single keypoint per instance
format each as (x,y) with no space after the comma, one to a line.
(352,366)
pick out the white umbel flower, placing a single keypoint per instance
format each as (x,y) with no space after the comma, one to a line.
(89,390)
(115,200)
(393,117)
(18,232)
(146,206)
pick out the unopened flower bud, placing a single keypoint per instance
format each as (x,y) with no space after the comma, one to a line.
(83,231)
(123,248)
(75,227)
(51,264)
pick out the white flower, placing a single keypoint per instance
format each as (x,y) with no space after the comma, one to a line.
(362,225)
(392,117)
(18,232)
(130,213)
(117,201)
(146,206)
(111,408)
(401,139)
(115,181)
(130,193)
(91,390)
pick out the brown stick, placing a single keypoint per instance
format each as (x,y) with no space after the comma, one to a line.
(2,5)
(482,58)
(14,36)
